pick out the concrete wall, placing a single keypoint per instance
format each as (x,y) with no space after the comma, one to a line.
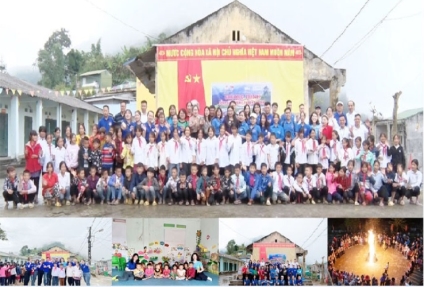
(414,138)
(210,234)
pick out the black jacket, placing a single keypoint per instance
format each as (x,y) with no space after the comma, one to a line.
(398,156)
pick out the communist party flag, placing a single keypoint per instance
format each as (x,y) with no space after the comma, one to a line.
(190,82)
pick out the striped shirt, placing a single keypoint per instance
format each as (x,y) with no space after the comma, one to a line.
(108,153)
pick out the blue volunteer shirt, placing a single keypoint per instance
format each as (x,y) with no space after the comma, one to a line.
(278,131)
(337,117)
(305,127)
(216,124)
(270,118)
(161,129)
(247,175)
(255,130)
(289,127)
(106,123)
(128,130)
(283,119)
(29,266)
(180,130)
(244,127)
(131,265)
(150,127)
(85,268)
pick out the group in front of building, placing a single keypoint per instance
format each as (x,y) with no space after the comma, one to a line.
(247,155)
(49,272)
(261,273)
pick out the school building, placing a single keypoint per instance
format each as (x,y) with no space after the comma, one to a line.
(56,253)
(25,107)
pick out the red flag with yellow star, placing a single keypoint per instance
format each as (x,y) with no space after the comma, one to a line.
(190,82)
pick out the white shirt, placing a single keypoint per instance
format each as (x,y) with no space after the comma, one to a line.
(201,151)
(383,156)
(211,150)
(276,177)
(301,151)
(261,152)
(234,145)
(344,133)
(312,152)
(299,187)
(48,152)
(152,155)
(172,183)
(64,180)
(59,156)
(309,183)
(138,149)
(323,151)
(362,132)
(344,155)
(188,149)
(174,151)
(223,149)
(247,154)
(335,146)
(162,153)
(320,180)
(415,179)
(350,118)
(289,149)
(288,181)
(143,117)
(273,152)
(402,180)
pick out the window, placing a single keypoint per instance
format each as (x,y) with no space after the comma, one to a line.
(235,36)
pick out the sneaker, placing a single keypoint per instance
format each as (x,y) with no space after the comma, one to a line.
(217,203)
(187,203)
(20,206)
(68,202)
(181,203)
(141,202)
(7,205)
(278,201)
(357,203)
(209,279)
(58,204)
(313,201)
(268,203)
(402,202)
(160,202)
(26,205)
(146,203)
(31,205)
(192,203)
(390,203)
(207,204)
(154,203)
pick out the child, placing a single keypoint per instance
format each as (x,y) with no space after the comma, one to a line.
(182,189)
(365,181)
(251,178)
(343,184)
(162,182)
(59,154)
(238,191)
(415,180)
(324,153)
(321,184)
(62,275)
(174,272)
(170,191)
(345,154)
(188,153)
(49,183)
(352,180)
(55,275)
(260,152)
(95,156)
(211,150)
(108,154)
(181,273)
(234,146)
(115,183)
(366,155)
(83,155)
(126,155)
(397,153)
(200,149)
(309,184)
(300,151)
(192,182)
(227,185)
(223,149)
(246,155)
(126,186)
(138,145)
(273,152)
(102,188)
(161,146)
(279,191)
(174,152)
(399,185)
(158,270)
(335,147)
(92,181)
(287,153)
(26,191)
(331,185)
(64,185)
(312,147)
(378,189)
(138,272)
(48,151)
(149,272)
(300,190)
(151,153)
(191,272)
(138,177)
(254,129)
(215,187)
(202,188)
(149,187)
(356,150)
(71,156)
(166,274)
(10,187)
(80,185)
(383,151)
(263,188)
(289,183)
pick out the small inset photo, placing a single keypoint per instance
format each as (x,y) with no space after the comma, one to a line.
(374,251)
(55,251)
(165,252)
(271,252)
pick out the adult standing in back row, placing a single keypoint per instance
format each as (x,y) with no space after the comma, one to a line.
(119,117)
(107,121)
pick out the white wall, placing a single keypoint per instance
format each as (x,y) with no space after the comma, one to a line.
(210,227)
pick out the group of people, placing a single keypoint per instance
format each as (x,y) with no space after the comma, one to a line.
(135,269)
(245,156)
(255,273)
(49,272)
(410,248)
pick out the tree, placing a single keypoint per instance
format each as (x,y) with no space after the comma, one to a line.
(25,250)
(3,236)
(396,97)
(230,246)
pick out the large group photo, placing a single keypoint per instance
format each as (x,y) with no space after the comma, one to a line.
(377,252)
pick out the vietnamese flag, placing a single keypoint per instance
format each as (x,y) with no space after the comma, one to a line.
(190,83)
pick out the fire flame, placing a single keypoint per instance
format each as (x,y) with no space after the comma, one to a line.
(371,240)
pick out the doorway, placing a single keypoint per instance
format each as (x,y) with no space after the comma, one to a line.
(4,130)
(27,128)
(50,126)
(64,125)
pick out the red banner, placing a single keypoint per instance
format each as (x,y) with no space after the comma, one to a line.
(190,82)
(230,52)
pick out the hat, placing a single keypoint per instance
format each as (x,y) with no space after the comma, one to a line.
(339,103)
(253,115)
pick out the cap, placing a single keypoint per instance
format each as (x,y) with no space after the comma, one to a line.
(339,103)
(253,115)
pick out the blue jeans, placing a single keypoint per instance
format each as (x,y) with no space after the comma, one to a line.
(2,281)
(66,195)
(239,196)
(102,193)
(46,278)
(114,193)
(87,277)
(34,278)
(334,196)
(55,281)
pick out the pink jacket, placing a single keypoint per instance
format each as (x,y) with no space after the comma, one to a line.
(331,183)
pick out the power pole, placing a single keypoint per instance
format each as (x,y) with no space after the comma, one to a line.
(89,246)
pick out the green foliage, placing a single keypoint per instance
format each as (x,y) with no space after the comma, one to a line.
(3,236)
(230,246)
(25,250)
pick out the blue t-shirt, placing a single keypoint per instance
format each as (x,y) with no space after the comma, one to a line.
(85,268)
(216,124)
(290,127)
(197,265)
(255,130)
(150,127)
(106,123)
(278,131)
(305,127)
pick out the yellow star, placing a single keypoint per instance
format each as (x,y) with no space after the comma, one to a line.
(196,78)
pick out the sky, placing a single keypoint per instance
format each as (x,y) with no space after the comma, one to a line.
(389,60)
(299,231)
(72,232)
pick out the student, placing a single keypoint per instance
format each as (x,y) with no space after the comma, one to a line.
(77,274)
(55,275)
(170,190)
(71,157)
(174,152)
(26,190)
(365,181)
(59,154)
(383,150)
(312,149)
(149,186)
(227,186)
(161,146)
(166,273)
(244,126)
(399,185)
(69,274)
(223,149)
(83,155)
(191,272)
(215,187)
(200,150)
(162,179)
(49,183)
(254,129)
(289,182)
(188,152)
(331,177)
(202,189)
(279,191)
(181,273)
(138,145)
(378,189)
(102,188)
(366,155)
(343,184)
(273,152)
(246,153)
(211,150)
(287,153)
(300,151)
(79,185)
(352,180)
(115,184)
(300,190)
(356,150)
(335,147)
(309,184)
(415,180)
(345,154)
(95,156)
(238,192)
(108,154)
(234,146)
(126,186)
(158,272)
(62,275)
(260,151)
(263,187)
(10,187)
(276,128)
(138,177)
(151,153)
(302,125)
(397,152)
(183,189)
(48,152)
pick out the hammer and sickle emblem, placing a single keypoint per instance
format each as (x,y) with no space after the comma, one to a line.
(187,79)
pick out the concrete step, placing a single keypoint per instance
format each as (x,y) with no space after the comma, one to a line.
(236,283)
(6,162)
